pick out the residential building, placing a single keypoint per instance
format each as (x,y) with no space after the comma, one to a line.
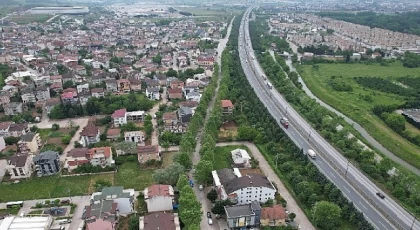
(49,105)
(172,124)
(4,128)
(124,199)
(101,156)
(76,157)
(153,93)
(137,137)
(28,96)
(29,143)
(227,107)
(123,86)
(2,143)
(43,222)
(69,95)
(13,108)
(119,117)
(135,116)
(205,61)
(135,84)
(273,216)
(230,184)
(160,220)
(184,114)
(148,152)
(111,85)
(243,216)
(100,224)
(43,94)
(113,134)
(159,197)
(19,166)
(17,130)
(82,87)
(175,93)
(90,134)
(193,96)
(98,92)
(4,97)
(47,163)
(84,97)
(241,158)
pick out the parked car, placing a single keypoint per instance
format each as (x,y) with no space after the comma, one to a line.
(208,215)
(200,187)
(210,221)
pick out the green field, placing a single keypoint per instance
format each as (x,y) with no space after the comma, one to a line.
(355,105)
(129,175)
(29,18)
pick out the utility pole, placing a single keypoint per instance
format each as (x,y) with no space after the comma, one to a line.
(347,168)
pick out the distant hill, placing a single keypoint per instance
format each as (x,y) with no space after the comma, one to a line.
(404,22)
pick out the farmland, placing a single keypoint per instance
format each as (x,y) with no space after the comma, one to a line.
(336,83)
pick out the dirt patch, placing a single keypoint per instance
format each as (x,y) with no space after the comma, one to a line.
(230,125)
(228,131)
(248,171)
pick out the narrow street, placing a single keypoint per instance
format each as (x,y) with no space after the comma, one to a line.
(152,112)
(201,195)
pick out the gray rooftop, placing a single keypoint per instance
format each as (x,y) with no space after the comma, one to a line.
(225,175)
(47,155)
(250,180)
(112,193)
(27,137)
(242,210)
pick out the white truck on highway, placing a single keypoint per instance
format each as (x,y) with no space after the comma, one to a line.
(311,153)
(270,86)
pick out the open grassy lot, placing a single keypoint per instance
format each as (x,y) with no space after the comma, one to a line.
(223,157)
(167,158)
(131,176)
(29,18)
(50,187)
(354,103)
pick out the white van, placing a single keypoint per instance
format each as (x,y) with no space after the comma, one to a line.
(311,153)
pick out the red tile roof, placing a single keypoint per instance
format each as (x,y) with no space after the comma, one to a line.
(119,113)
(105,150)
(276,212)
(158,190)
(90,130)
(226,103)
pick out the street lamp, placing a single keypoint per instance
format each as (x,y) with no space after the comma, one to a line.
(347,168)
(310,132)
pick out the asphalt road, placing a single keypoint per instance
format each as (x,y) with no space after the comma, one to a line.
(354,185)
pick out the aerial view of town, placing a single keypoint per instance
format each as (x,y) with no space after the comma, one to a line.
(209,115)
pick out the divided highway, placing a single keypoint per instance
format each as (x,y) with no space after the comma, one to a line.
(381,213)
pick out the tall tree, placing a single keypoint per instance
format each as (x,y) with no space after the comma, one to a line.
(169,175)
(326,215)
(203,171)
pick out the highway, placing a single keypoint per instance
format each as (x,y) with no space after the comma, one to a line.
(381,213)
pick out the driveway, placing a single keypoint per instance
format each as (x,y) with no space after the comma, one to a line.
(152,112)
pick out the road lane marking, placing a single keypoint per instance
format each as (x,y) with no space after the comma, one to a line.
(363,205)
(345,187)
(383,225)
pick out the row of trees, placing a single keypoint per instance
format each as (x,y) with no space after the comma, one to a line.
(325,122)
(329,208)
(105,105)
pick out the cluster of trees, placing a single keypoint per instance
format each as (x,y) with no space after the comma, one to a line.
(105,105)
(403,22)
(411,60)
(384,85)
(259,26)
(189,208)
(207,44)
(312,188)
(338,84)
(5,71)
(325,122)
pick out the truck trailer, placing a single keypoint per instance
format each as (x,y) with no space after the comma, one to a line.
(284,122)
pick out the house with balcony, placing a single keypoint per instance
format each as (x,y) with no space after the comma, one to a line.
(124,199)
(135,116)
(69,95)
(205,61)
(193,96)
(101,156)
(137,137)
(20,166)
(29,143)
(28,96)
(148,152)
(153,93)
(76,157)
(184,114)
(123,86)
(242,189)
(47,163)
(119,117)
(227,107)
(172,124)
(90,134)
(243,216)
(159,197)
(111,85)
(175,93)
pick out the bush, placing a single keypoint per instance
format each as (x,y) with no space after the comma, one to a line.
(55,127)
(66,139)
